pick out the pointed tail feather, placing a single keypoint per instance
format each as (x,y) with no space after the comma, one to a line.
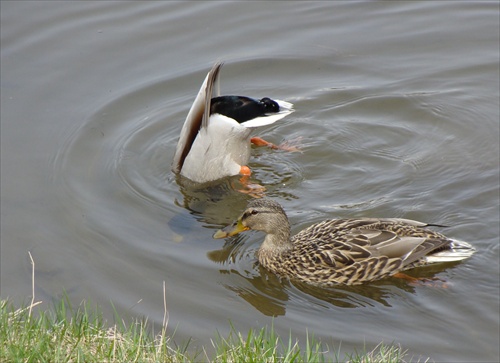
(458,251)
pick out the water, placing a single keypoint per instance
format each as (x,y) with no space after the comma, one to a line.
(397,116)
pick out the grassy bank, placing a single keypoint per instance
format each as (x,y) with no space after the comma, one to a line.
(61,334)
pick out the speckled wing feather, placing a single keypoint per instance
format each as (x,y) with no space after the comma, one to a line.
(359,250)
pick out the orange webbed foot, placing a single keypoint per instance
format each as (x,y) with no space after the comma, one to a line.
(255,190)
(289,145)
(292,145)
(422,281)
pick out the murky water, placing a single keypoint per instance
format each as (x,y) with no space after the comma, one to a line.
(397,114)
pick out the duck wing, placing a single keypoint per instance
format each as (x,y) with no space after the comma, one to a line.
(197,116)
(358,250)
(403,239)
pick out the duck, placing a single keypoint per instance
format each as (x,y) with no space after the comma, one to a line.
(343,251)
(215,140)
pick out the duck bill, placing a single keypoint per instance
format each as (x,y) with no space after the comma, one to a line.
(231,230)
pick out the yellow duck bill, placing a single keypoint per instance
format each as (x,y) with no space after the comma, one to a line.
(231,230)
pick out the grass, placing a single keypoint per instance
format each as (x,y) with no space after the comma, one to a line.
(265,346)
(64,334)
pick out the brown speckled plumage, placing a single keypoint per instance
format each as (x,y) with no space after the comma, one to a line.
(343,251)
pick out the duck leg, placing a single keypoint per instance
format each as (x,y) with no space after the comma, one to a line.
(422,281)
(255,190)
(245,171)
(286,146)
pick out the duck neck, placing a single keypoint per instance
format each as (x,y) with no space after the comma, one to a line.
(278,241)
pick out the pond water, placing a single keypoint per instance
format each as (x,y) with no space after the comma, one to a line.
(397,114)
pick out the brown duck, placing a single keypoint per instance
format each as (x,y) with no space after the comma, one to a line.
(343,251)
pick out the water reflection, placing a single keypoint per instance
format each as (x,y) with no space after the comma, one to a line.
(212,203)
(266,292)
(217,203)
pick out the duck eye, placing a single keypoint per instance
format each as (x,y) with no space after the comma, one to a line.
(249,213)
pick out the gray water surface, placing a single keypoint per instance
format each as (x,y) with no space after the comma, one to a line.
(397,114)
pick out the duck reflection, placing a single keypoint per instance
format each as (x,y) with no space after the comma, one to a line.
(212,203)
(216,203)
(265,291)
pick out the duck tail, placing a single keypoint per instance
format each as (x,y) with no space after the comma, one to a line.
(455,251)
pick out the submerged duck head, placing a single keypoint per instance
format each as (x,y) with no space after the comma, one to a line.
(215,138)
